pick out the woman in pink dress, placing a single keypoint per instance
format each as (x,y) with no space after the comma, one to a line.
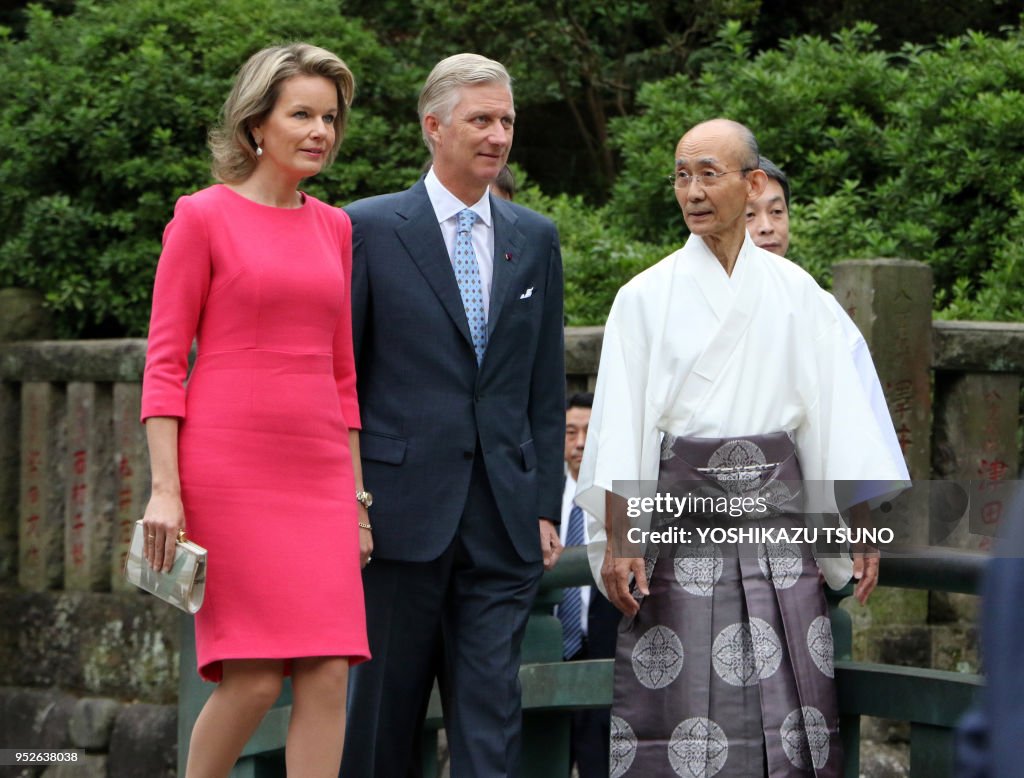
(258,456)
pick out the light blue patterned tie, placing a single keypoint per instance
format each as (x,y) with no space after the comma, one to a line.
(467,273)
(572,603)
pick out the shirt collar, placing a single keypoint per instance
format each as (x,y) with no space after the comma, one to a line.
(446,205)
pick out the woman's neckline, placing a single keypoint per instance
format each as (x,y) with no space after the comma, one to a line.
(302,200)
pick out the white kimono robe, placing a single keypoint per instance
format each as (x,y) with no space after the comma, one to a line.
(690,350)
(869,382)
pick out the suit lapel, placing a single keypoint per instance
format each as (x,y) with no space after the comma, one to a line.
(508,245)
(421,235)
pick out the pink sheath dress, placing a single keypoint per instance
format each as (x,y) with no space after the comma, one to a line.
(266,473)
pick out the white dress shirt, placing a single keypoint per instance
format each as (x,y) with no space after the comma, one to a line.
(447,207)
(567,496)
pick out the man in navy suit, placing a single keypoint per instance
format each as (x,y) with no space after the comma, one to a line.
(596,618)
(457,320)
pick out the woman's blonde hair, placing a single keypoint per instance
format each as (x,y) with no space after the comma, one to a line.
(257,87)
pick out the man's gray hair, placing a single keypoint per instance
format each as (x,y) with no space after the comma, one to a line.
(752,155)
(753,152)
(440,93)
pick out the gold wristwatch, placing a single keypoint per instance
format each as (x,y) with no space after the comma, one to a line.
(364,498)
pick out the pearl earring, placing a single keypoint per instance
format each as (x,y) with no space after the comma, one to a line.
(259,150)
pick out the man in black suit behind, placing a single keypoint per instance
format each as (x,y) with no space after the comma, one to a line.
(597,619)
(457,321)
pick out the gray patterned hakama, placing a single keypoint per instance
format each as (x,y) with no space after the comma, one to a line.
(727,668)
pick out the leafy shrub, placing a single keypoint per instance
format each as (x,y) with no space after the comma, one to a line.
(598,257)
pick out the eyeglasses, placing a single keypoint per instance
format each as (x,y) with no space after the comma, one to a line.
(682,180)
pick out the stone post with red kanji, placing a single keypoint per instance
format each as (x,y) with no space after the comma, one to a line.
(977,393)
(89,488)
(41,505)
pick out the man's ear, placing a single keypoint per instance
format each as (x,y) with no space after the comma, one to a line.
(757,181)
(432,125)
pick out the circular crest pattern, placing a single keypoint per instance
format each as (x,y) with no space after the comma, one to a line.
(732,655)
(737,453)
(781,563)
(739,460)
(804,734)
(819,644)
(623,747)
(657,657)
(698,568)
(744,654)
(698,747)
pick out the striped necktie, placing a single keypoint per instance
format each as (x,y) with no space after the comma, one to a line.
(571,609)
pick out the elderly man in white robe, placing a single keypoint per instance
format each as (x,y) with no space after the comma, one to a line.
(722,366)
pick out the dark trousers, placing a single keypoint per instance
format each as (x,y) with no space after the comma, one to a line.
(473,603)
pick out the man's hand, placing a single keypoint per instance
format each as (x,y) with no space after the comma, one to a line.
(550,544)
(615,572)
(865,558)
(865,572)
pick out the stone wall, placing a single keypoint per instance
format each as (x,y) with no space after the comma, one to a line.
(86,661)
(125,739)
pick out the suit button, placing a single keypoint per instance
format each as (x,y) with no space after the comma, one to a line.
(467,454)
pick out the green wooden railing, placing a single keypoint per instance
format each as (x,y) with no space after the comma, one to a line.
(931,700)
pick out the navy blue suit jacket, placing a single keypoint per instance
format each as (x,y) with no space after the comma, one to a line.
(425,404)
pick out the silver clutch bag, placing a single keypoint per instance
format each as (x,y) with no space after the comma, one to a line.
(183,587)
